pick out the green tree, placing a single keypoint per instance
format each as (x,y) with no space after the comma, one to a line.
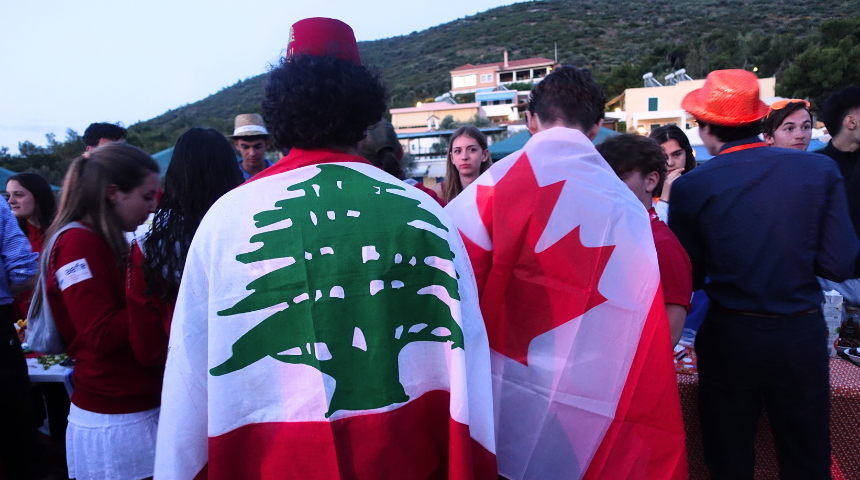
(835,30)
(520,86)
(448,123)
(70,149)
(50,161)
(696,61)
(620,78)
(819,71)
(355,299)
(479,121)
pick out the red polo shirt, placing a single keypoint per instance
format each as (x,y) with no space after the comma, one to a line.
(676,271)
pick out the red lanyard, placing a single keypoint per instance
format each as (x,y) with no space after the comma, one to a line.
(747,146)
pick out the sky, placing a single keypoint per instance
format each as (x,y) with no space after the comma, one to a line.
(67,64)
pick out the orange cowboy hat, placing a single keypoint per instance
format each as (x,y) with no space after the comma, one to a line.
(729,98)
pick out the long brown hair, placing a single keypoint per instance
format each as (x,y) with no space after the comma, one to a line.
(453,187)
(85,191)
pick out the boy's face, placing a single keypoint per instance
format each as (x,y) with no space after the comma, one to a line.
(253,152)
(642,185)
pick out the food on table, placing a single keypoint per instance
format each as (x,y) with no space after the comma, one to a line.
(47,361)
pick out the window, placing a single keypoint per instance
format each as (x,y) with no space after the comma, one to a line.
(506,77)
(461,81)
(509,101)
(654,126)
(487,78)
(496,102)
(653,104)
(524,75)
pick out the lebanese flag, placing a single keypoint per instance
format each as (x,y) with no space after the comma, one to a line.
(327,326)
(584,384)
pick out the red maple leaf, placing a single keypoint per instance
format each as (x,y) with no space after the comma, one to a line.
(524,293)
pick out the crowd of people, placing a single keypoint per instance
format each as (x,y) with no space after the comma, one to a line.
(327,317)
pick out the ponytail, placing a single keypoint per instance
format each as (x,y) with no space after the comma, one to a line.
(85,191)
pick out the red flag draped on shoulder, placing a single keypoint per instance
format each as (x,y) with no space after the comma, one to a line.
(583,380)
(327,327)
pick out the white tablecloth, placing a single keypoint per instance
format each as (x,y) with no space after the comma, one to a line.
(54,373)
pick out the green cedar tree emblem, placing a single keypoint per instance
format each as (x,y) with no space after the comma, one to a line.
(358,282)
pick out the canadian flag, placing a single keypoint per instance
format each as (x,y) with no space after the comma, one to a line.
(327,327)
(583,380)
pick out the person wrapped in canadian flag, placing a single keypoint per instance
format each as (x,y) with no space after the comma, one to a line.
(583,380)
(327,325)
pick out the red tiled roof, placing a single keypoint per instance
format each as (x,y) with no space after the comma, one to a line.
(511,64)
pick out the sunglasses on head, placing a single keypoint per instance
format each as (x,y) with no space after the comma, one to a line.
(784,103)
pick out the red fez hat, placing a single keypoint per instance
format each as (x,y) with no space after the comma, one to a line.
(729,98)
(319,37)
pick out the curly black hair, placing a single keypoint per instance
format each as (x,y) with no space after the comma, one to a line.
(313,102)
(570,95)
(97,131)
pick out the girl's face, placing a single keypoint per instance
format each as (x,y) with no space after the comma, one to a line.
(795,132)
(22,202)
(676,155)
(467,156)
(135,206)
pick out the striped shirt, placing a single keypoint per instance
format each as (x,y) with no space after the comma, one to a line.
(17,260)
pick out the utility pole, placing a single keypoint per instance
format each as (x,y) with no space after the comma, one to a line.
(556,52)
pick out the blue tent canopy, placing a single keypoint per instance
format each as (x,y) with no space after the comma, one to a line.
(500,150)
(162,158)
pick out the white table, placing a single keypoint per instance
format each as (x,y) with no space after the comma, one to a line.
(54,373)
(38,374)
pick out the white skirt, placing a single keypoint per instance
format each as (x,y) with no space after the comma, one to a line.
(111,447)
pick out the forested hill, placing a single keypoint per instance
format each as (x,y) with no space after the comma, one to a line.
(618,39)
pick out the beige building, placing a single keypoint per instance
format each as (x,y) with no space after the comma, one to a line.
(427,116)
(470,78)
(650,107)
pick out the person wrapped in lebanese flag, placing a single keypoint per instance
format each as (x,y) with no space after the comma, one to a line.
(584,384)
(327,325)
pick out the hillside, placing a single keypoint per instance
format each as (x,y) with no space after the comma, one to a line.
(618,39)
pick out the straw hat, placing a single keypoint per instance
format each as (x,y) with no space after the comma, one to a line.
(249,125)
(729,98)
(319,37)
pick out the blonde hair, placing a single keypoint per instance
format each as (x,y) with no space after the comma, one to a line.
(453,186)
(85,191)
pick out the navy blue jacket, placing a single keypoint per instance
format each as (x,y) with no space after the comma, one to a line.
(761,223)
